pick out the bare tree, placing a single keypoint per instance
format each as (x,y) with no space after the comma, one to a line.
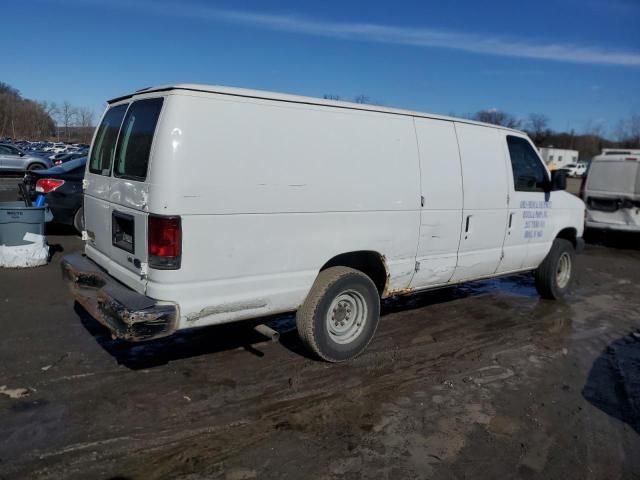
(538,127)
(68,115)
(361,99)
(331,96)
(50,107)
(628,132)
(496,117)
(20,117)
(85,117)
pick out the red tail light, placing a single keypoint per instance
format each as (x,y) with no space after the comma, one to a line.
(48,185)
(164,242)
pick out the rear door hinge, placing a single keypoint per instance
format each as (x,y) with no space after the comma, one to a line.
(422,200)
(85,184)
(417,267)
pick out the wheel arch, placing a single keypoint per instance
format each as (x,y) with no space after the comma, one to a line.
(369,262)
(570,234)
(36,162)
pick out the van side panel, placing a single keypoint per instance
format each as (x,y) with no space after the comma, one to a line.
(269,192)
(441,217)
(484,180)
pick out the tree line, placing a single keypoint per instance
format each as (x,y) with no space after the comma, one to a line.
(588,143)
(21,118)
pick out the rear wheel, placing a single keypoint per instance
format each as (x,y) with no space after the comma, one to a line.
(35,166)
(340,315)
(556,273)
(78,220)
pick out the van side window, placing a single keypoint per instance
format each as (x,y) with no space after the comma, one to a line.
(105,143)
(528,173)
(134,144)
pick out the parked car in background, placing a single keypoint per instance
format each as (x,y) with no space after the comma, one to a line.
(611,191)
(575,169)
(12,159)
(65,157)
(62,186)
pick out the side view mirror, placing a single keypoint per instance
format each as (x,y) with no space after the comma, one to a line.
(558,180)
(21,154)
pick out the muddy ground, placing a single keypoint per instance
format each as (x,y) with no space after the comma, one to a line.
(481,381)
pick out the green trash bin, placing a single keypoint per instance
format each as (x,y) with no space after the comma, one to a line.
(16,220)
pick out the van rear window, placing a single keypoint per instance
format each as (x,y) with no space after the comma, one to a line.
(105,144)
(136,135)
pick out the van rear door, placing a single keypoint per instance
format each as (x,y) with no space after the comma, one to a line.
(117,191)
(98,180)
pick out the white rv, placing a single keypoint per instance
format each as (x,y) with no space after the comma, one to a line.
(557,158)
(205,205)
(612,190)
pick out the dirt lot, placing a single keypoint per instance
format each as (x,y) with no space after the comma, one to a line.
(482,381)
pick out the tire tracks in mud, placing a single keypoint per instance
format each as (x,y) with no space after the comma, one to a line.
(436,385)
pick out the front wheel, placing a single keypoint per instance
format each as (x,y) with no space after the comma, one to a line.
(556,273)
(340,315)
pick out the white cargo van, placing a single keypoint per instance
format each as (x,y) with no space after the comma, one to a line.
(612,190)
(205,205)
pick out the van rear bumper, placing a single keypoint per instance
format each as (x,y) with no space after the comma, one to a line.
(622,227)
(129,315)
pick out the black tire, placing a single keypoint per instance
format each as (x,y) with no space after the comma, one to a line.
(78,220)
(36,166)
(549,282)
(351,295)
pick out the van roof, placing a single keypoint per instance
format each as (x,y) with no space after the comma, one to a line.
(616,157)
(283,97)
(620,151)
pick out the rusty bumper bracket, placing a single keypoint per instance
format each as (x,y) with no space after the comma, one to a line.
(129,315)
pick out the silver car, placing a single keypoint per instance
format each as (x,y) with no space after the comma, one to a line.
(13,159)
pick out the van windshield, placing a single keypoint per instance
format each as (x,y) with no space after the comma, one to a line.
(105,143)
(134,145)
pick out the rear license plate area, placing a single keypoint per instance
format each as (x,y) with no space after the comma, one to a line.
(123,229)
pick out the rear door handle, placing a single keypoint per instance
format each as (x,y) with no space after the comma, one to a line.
(466,230)
(510,219)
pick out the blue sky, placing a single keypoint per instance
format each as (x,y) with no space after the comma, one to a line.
(576,61)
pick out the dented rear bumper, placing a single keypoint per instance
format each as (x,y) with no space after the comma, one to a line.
(129,315)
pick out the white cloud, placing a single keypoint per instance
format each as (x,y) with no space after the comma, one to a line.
(370,32)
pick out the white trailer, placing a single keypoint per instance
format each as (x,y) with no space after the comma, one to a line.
(557,158)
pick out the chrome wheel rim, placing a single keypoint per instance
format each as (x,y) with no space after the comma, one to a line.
(347,317)
(563,272)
